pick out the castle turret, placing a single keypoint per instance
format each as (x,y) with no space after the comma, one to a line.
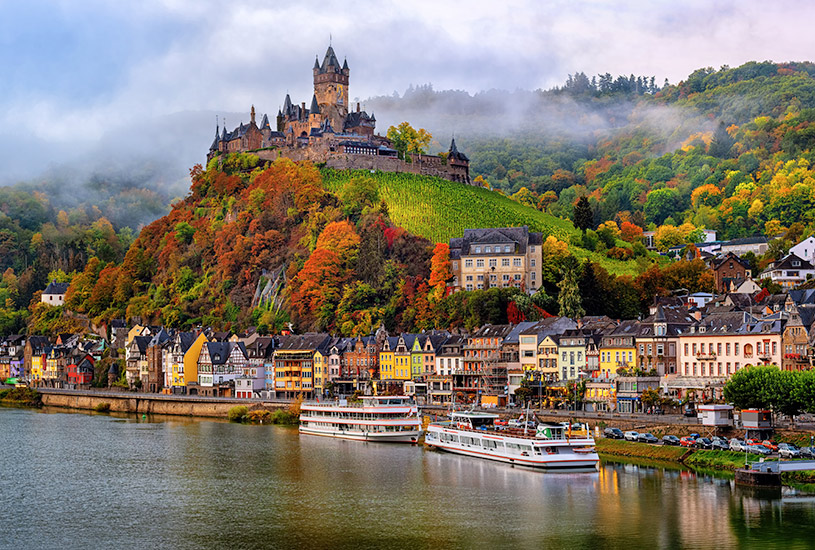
(331,88)
(252,116)
(214,146)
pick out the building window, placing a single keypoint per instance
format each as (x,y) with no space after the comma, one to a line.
(517,276)
(505,277)
(736,349)
(479,263)
(493,278)
(533,275)
(493,262)
(516,262)
(480,277)
(478,250)
(504,262)
(487,249)
(469,287)
(507,248)
(468,263)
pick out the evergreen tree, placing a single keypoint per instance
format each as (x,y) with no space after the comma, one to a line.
(721,143)
(569,298)
(583,214)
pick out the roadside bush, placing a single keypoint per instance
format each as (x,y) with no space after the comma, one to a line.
(237,413)
(281,416)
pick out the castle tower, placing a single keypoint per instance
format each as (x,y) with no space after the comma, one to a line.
(331,88)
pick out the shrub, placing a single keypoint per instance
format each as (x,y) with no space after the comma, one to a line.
(237,413)
(281,416)
(620,253)
(259,416)
(102,407)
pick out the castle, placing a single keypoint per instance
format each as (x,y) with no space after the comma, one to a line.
(327,132)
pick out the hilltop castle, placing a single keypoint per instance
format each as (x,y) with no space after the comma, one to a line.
(327,132)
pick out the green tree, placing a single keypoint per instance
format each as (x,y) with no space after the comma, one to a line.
(660,204)
(721,143)
(583,216)
(569,298)
(407,140)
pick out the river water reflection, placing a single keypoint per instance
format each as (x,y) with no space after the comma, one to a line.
(94,481)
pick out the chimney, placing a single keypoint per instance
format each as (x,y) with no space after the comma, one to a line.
(303,106)
(357,106)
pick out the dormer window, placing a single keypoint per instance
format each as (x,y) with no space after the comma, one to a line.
(478,250)
(487,249)
(796,263)
(506,248)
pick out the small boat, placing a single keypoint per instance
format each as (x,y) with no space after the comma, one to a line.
(549,445)
(386,418)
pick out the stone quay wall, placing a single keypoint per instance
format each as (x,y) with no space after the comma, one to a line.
(125,402)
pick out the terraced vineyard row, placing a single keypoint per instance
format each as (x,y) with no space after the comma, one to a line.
(439,210)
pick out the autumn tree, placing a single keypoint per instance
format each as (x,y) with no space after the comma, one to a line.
(342,239)
(547,198)
(440,272)
(630,232)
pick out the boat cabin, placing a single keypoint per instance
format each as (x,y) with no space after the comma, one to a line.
(474,420)
(379,400)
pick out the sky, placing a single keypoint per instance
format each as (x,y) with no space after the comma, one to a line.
(91,79)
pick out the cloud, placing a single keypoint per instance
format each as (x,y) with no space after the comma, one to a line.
(87,75)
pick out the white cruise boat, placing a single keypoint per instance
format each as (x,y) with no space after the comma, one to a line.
(550,445)
(384,418)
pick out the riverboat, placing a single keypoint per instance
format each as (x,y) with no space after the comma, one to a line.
(549,445)
(392,419)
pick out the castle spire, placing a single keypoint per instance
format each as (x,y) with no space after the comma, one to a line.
(252,116)
(314,109)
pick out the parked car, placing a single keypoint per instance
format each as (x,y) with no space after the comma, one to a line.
(690,411)
(752,442)
(758,450)
(670,440)
(647,438)
(772,445)
(687,441)
(807,452)
(737,445)
(703,443)
(719,445)
(613,433)
(631,436)
(788,450)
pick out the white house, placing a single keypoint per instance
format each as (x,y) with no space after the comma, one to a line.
(805,249)
(789,272)
(715,415)
(54,293)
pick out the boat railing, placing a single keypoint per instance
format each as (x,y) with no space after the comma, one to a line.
(355,404)
(513,432)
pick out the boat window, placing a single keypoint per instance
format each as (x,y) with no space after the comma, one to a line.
(478,422)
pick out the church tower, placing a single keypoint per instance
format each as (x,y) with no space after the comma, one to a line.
(331,88)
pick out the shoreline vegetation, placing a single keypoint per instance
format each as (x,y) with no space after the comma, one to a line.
(289,416)
(25,397)
(697,460)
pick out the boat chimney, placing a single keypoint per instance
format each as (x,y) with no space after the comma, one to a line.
(357,106)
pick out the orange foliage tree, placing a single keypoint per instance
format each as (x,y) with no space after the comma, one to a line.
(440,271)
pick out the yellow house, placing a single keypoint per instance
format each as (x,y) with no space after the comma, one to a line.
(386,359)
(547,357)
(320,371)
(37,368)
(618,349)
(137,330)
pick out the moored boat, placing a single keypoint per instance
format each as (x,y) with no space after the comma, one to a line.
(392,419)
(548,445)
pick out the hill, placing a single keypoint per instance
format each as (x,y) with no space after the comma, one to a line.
(282,242)
(440,210)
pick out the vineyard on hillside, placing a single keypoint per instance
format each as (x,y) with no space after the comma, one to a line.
(439,210)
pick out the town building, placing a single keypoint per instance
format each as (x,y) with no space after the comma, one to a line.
(789,272)
(729,272)
(805,249)
(496,257)
(294,364)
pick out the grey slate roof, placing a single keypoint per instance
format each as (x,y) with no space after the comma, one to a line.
(56,288)
(517,236)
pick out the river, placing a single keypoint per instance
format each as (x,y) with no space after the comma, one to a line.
(72,480)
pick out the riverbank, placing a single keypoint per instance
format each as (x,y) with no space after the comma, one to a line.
(695,459)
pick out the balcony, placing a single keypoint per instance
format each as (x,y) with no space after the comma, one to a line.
(702,356)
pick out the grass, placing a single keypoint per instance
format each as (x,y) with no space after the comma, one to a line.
(619,447)
(439,210)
